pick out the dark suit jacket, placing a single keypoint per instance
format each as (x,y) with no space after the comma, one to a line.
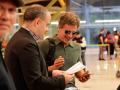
(118,88)
(27,65)
(6,82)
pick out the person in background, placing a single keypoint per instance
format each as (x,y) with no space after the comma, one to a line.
(109,39)
(81,40)
(101,42)
(7,20)
(116,42)
(24,58)
(67,53)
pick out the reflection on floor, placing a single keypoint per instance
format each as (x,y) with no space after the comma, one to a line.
(103,73)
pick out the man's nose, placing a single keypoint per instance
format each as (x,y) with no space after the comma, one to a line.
(5,15)
(70,35)
(47,29)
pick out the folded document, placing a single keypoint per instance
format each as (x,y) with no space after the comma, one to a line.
(75,68)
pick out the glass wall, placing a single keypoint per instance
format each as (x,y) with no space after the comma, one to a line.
(96,14)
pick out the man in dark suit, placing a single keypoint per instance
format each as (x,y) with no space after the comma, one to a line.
(24,58)
(118,88)
(7,20)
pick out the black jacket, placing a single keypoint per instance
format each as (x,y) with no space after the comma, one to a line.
(6,82)
(27,65)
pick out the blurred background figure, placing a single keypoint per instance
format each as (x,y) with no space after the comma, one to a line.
(82,41)
(101,42)
(117,50)
(109,39)
(116,42)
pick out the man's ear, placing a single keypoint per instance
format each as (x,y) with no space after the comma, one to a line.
(37,21)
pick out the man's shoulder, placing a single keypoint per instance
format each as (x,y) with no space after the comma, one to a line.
(23,38)
(43,43)
(75,44)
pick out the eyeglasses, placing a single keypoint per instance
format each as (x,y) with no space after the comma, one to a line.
(69,32)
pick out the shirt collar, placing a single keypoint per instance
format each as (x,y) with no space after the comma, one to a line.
(33,34)
(57,41)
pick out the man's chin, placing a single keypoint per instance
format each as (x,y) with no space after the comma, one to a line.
(66,42)
(4,29)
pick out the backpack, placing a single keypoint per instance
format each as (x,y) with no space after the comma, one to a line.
(51,52)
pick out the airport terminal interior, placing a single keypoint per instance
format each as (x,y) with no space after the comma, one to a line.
(103,73)
(94,15)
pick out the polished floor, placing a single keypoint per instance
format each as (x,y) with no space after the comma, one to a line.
(103,72)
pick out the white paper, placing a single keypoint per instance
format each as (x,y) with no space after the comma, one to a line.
(75,68)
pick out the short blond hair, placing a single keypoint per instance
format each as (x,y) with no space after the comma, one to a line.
(69,18)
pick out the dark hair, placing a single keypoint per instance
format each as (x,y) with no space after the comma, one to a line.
(17,3)
(115,32)
(108,32)
(102,29)
(35,11)
(69,18)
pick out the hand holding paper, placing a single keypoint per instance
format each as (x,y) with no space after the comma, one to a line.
(76,68)
(79,70)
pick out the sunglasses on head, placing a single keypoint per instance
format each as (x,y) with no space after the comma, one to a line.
(69,32)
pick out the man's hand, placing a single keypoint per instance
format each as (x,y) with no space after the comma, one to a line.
(59,62)
(68,77)
(82,75)
(57,73)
